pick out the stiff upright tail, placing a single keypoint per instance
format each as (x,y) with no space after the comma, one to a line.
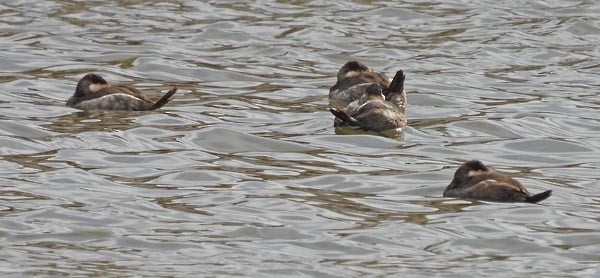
(164,99)
(343,117)
(539,197)
(397,84)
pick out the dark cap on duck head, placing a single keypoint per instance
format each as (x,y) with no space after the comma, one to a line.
(468,167)
(93,78)
(355,66)
(352,66)
(83,86)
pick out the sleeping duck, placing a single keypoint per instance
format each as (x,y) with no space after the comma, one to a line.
(474,180)
(352,80)
(372,111)
(93,92)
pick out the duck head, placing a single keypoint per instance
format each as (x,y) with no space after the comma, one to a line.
(89,84)
(466,170)
(352,69)
(374,91)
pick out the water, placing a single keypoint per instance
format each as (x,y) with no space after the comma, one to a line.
(242,174)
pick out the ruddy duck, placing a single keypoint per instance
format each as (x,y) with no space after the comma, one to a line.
(93,92)
(352,80)
(474,180)
(372,111)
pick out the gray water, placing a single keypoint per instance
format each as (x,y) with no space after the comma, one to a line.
(243,174)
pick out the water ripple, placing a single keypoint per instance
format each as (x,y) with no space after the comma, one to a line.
(242,174)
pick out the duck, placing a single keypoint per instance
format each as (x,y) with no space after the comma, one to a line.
(353,78)
(473,180)
(94,93)
(375,110)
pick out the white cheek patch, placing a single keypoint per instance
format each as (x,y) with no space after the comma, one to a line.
(97,87)
(351,74)
(473,173)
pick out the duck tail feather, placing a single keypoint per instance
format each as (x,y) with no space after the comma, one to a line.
(343,116)
(164,99)
(539,197)
(397,84)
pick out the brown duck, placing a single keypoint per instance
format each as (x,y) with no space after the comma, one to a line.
(372,111)
(352,81)
(93,92)
(473,180)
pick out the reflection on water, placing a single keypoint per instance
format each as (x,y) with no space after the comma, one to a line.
(243,173)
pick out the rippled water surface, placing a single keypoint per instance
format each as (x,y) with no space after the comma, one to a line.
(243,174)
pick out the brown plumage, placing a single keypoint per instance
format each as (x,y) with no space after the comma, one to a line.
(372,111)
(352,80)
(93,92)
(473,180)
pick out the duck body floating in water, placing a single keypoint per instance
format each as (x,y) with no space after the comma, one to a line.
(377,108)
(473,180)
(95,93)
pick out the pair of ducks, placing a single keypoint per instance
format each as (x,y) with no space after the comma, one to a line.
(371,101)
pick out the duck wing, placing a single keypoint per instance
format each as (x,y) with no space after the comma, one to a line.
(341,98)
(129,91)
(115,101)
(492,190)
